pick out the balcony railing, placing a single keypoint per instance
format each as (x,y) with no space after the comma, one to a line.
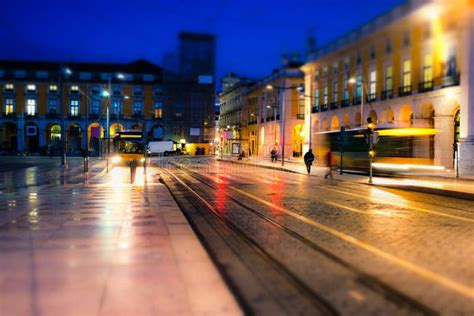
(9,115)
(315,109)
(254,122)
(94,116)
(52,115)
(404,91)
(300,116)
(372,97)
(116,117)
(426,86)
(73,116)
(334,105)
(357,100)
(31,116)
(386,94)
(324,107)
(137,115)
(450,81)
(345,103)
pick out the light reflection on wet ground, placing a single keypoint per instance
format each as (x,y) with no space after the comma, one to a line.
(99,245)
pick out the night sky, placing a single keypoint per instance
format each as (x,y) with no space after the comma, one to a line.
(252,34)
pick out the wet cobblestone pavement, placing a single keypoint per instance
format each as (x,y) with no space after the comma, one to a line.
(361,249)
(99,245)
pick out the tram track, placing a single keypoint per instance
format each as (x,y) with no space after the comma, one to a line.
(369,282)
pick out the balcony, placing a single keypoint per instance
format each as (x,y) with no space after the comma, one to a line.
(300,116)
(116,117)
(450,81)
(137,115)
(345,103)
(386,94)
(94,116)
(324,108)
(9,115)
(254,122)
(357,100)
(404,91)
(334,105)
(31,116)
(52,115)
(157,118)
(372,97)
(73,117)
(315,109)
(426,86)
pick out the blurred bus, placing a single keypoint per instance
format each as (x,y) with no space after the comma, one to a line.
(128,146)
(396,150)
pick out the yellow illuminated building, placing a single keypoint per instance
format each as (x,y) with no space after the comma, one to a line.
(408,69)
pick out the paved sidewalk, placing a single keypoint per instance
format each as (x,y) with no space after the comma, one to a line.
(105,247)
(457,188)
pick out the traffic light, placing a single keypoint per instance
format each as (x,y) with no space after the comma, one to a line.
(370,126)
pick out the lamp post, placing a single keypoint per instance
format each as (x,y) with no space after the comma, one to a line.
(281,91)
(353,81)
(68,72)
(108,94)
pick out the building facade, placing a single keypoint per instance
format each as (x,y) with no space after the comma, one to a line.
(189,85)
(412,67)
(45,104)
(254,114)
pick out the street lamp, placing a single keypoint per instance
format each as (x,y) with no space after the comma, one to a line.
(108,95)
(63,71)
(353,81)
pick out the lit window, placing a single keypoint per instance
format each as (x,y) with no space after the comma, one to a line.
(74,108)
(74,88)
(346,90)
(316,96)
(158,109)
(325,95)
(9,106)
(335,92)
(53,88)
(373,83)
(388,78)
(428,68)
(9,87)
(158,113)
(31,87)
(359,86)
(407,73)
(31,107)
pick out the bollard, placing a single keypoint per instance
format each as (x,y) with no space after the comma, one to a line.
(133,169)
(86,164)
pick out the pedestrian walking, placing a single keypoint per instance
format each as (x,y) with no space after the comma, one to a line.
(328,165)
(308,160)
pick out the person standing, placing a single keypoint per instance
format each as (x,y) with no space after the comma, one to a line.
(273,154)
(308,160)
